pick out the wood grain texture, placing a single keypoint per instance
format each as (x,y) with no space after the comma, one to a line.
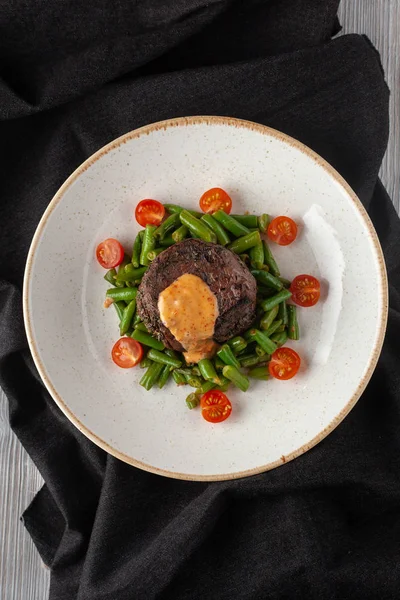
(22,575)
(380,21)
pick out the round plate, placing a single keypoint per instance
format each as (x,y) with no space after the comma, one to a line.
(71,334)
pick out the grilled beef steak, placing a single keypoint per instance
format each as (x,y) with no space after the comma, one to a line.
(225,274)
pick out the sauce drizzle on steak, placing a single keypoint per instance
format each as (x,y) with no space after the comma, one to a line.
(227,277)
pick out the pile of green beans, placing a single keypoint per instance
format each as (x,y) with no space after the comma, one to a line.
(242,357)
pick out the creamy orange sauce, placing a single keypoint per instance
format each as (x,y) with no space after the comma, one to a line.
(189,309)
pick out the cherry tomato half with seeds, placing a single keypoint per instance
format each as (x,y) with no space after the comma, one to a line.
(149,212)
(215,406)
(284,363)
(306,290)
(215,199)
(282,231)
(127,353)
(110,253)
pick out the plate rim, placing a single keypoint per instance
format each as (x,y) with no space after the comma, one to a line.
(207,120)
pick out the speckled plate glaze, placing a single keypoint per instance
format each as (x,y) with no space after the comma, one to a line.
(71,334)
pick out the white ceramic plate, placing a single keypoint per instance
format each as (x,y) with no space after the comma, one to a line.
(71,334)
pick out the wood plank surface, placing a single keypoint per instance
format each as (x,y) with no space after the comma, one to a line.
(22,575)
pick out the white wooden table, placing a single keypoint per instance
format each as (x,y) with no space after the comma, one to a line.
(22,575)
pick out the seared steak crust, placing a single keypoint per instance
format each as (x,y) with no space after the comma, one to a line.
(225,274)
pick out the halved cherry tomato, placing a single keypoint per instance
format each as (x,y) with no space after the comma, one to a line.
(149,212)
(306,290)
(215,406)
(284,363)
(110,253)
(127,353)
(282,230)
(215,199)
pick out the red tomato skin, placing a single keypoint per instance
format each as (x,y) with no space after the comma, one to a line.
(215,406)
(133,353)
(149,212)
(215,199)
(303,295)
(282,230)
(277,359)
(110,253)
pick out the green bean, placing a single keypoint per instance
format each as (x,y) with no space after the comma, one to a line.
(270,260)
(265,292)
(286,282)
(119,308)
(147,339)
(145,363)
(237,344)
(154,253)
(261,339)
(222,388)
(224,380)
(163,358)
(130,284)
(186,371)
(244,243)
(206,387)
(227,356)
(246,220)
(196,371)
(293,326)
(127,317)
(151,376)
(174,208)
(231,224)
(269,303)
(141,234)
(218,363)
(141,327)
(250,360)
(267,279)
(125,294)
(137,246)
(174,354)
(197,227)
(149,243)
(208,371)
(125,261)
(245,258)
(194,381)
(179,378)
(165,373)
(260,351)
(256,254)
(283,313)
(136,320)
(274,327)
(131,274)
(191,379)
(192,401)
(166,242)
(222,237)
(170,223)
(279,338)
(110,277)
(263,222)
(237,378)
(259,373)
(268,318)
(180,234)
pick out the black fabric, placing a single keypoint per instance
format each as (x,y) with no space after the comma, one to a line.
(73,76)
